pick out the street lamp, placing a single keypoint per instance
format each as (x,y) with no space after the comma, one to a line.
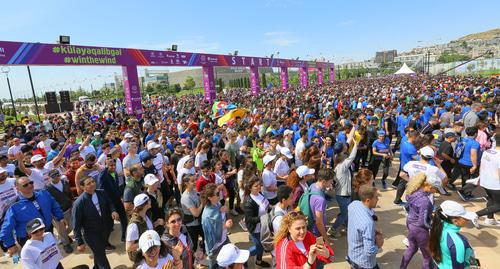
(6,70)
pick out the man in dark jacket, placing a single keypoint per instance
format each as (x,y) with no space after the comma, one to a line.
(108,182)
(94,213)
(61,192)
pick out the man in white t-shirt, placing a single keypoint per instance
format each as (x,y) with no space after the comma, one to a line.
(39,174)
(423,165)
(41,250)
(489,179)
(10,168)
(124,144)
(45,142)
(14,149)
(269,179)
(300,147)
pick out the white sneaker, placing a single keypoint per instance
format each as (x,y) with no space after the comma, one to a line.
(406,242)
(234,212)
(243,225)
(488,221)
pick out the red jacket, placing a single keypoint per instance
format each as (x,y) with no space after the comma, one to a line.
(202,181)
(288,256)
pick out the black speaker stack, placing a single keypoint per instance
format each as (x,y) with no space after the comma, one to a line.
(53,106)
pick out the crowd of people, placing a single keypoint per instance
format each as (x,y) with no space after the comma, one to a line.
(175,180)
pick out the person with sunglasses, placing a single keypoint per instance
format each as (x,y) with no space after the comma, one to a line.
(40,251)
(31,204)
(155,254)
(177,234)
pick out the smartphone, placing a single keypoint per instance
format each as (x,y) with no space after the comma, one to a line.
(320,241)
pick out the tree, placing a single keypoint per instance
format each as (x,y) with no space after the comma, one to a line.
(264,81)
(189,84)
(448,57)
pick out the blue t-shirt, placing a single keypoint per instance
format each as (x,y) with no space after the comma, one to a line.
(408,152)
(428,113)
(342,137)
(469,145)
(381,147)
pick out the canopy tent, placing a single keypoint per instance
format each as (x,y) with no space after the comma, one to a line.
(404,70)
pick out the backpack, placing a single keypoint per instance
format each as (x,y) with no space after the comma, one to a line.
(305,206)
(267,230)
(459,149)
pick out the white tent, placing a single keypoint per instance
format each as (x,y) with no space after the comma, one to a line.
(404,70)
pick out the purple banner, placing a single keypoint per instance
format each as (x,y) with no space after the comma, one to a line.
(320,76)
(304,77)
(209,83)
(254,80)
(284,78)
(132,90)
(19,53)
(332,74)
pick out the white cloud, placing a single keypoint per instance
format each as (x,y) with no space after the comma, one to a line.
(282,39)
(192,44)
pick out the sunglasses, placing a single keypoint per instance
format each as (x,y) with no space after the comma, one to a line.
(174,221)
(27,184)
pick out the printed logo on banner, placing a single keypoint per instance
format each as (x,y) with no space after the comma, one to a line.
(183,56)
(2,52)
(152,54)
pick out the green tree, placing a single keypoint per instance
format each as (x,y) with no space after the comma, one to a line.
(189,84)
(264,81)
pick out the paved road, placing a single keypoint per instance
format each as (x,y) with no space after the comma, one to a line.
(485,241)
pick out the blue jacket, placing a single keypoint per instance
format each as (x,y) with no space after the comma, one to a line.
(212,224)
(20,213)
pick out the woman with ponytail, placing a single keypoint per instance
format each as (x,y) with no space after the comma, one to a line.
(449,248)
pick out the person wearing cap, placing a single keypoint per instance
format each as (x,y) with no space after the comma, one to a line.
(382,153)
(281,167)
(156,198)
(185,166)
(133,186)
(96,140)
(269,179)
(231,257)
(29,205)
(39,173)
(90,168)
(108,181)
(124,143)
(154,253)
(139,223)
(418,220)
(448,247)
(40,251)
(256,205)
(61,192)
(8,196)
(297,180)
(92,217)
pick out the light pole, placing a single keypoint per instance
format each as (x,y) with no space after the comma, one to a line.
(34,95)
(6,71)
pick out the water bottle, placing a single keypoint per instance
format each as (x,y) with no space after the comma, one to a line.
(15,258)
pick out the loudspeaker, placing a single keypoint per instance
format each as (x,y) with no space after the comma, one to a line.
(64,96)
(67,107)
(52,108)
(51,97)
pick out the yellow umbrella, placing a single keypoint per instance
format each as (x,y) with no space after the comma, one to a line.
(237,112)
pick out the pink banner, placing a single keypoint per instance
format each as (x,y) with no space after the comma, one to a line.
(209,83)
(284,78)
(254,80)
(132,90)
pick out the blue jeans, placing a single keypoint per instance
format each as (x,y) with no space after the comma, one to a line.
(343,202)
(257,248)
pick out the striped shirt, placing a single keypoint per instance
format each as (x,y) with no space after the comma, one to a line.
(362,249)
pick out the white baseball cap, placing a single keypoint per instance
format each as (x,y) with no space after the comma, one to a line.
(427,152)
(230,254)
(150,179)
(436,182)
(97,133)
(153,145)
(287,132)
(140,199)
(303,170)
(36,158)
(453,209)
(128,135)
(268,158)
(149,239)
(286,151)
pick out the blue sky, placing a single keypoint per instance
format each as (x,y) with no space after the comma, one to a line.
(337,30)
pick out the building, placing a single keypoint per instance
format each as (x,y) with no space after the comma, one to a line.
(385,56)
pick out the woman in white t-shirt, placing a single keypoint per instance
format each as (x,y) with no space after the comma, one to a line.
(40,251)
(154,254)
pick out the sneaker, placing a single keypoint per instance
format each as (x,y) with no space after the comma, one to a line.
(68,249)
(406,242)
(475,222)
(243,225)
(233,212)
(489,221)
(262,264)
(463,196)
(384,185)
(451,186)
